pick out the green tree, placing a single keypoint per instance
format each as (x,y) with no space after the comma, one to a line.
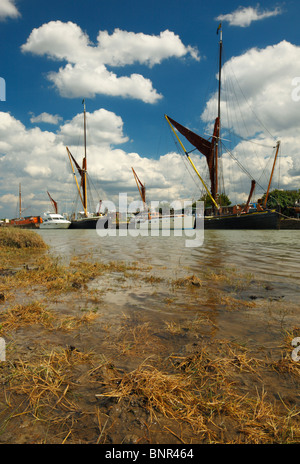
(285,199)
(223,200)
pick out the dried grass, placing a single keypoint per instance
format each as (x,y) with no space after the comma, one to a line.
(51,274)
(11,237)
(202,393)
(45,383)
(24,315)
(198,396)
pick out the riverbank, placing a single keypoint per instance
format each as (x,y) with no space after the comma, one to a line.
(118,352)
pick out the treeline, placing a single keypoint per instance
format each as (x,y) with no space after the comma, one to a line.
(288,201)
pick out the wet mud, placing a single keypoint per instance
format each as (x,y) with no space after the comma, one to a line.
(128,354)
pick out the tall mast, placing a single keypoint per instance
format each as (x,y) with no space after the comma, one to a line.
(20,206)
(219,113)
(84,164)
(84,126)
(271,176)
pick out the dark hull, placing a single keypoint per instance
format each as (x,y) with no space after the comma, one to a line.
(255,221)
(289,224)
(88,223)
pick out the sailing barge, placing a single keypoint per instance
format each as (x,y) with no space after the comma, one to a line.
(84,219)
(219,217)
(27,222)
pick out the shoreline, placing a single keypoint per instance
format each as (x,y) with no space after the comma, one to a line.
(117,353)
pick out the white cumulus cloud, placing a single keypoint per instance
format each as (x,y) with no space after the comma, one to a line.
(244,16)
(38,160)
(87,71)
(46,118)
(8,9)
(257,104)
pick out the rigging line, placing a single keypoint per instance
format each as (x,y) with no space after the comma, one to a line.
(279,166)
(267,130)
(244,170)
(233,120)
(191,174)
(92,203)
(240,124)
(247,140)
(238,120)
(93,185)
(187,167)
(264,173)
(238,163)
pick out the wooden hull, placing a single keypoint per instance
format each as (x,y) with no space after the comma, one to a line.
(254,221)
(88,223)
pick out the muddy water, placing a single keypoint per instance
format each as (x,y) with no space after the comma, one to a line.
(262,267)
(269,255)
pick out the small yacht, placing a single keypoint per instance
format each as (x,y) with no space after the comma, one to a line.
(54,221)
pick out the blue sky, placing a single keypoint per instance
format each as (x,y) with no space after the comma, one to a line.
(133,62)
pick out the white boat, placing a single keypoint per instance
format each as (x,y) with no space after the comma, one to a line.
(54,221)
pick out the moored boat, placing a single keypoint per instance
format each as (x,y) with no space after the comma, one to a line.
(153,220)
(158,221)
(85,219)
(27,222)
(54,221)
(218,217)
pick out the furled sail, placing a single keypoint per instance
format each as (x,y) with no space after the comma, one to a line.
(54,203)
(206,147)
(141,187)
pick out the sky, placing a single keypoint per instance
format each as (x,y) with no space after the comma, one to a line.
(132,62)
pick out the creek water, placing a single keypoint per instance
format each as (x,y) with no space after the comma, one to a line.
(254,267)
(271,255)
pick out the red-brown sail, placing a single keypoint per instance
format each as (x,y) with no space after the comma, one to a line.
(54,203)
(206,147)
(141,187)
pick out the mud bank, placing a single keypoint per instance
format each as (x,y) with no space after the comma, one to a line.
(120,353)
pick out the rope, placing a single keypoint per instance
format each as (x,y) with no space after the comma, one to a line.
(288,217)
(239,164)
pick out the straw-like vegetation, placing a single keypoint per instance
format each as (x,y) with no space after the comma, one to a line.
(54,276)
(78,370)
(11,237)
(202,395)
(20,316)
(24,315)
